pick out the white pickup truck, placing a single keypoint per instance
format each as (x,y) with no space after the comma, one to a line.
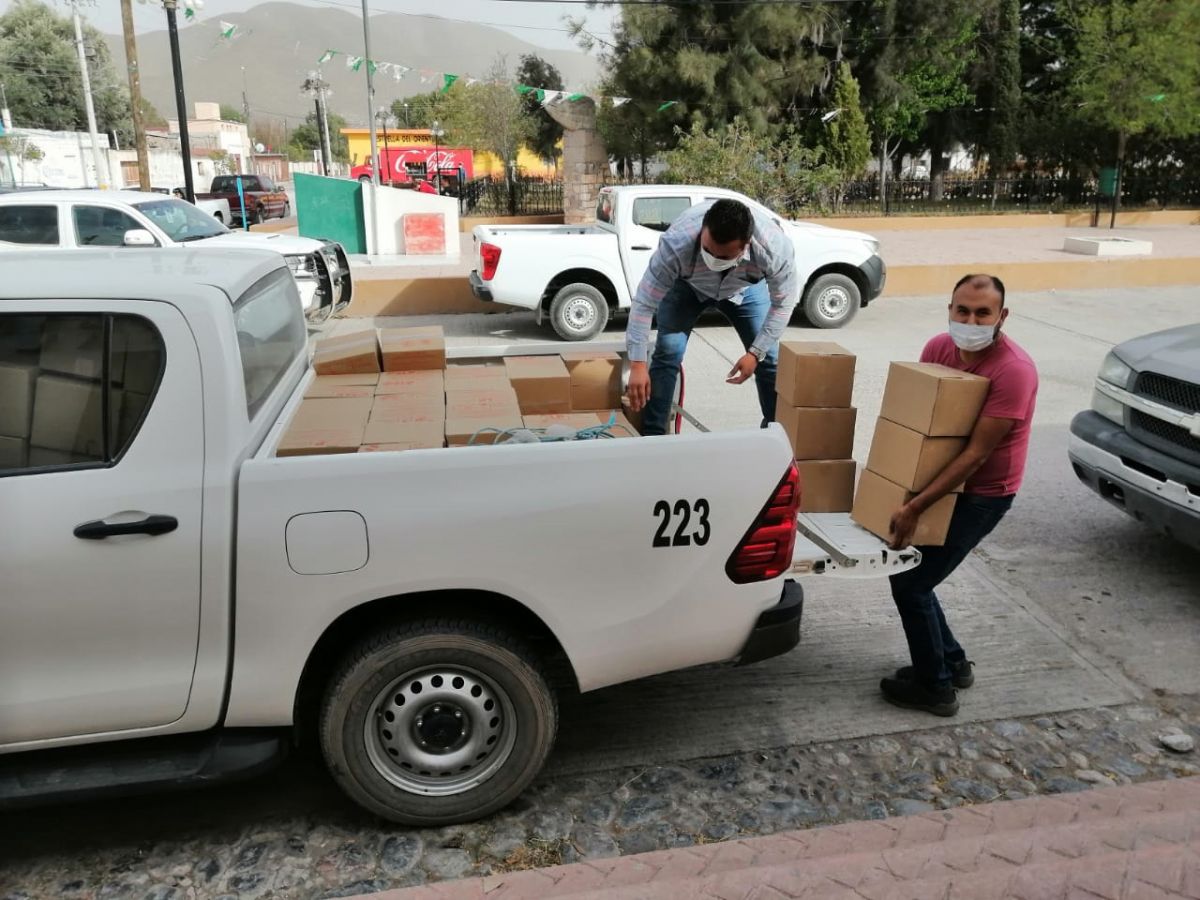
(95,219)
(179,605)
(576,276)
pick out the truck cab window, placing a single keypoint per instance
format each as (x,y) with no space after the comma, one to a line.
(657,213)
(29,225)
(74,389)
(100,226)
(271,334)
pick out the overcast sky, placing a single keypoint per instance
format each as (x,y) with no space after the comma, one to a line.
(538,23)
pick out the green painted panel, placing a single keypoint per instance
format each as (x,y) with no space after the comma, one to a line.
(331,209)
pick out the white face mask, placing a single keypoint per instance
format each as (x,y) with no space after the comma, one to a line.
(718,265)
(972,338)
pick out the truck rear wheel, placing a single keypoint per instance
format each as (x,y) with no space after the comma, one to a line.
(578,312)
(436,722)
(832,301)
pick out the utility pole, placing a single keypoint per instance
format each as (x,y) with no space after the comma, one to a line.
(315,86)
(185,146)
(135,95)
(97,154)
(246,116)
(370,95)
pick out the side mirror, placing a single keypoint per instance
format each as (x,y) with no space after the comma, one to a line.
(139,237)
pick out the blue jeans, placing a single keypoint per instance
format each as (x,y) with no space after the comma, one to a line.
(931,643)
(677,315)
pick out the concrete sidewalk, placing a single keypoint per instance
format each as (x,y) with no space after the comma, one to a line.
(1140,841)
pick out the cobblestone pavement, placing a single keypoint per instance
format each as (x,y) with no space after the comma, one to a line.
(292,835)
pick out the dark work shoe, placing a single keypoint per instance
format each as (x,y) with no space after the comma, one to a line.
(961,675)
(910,695)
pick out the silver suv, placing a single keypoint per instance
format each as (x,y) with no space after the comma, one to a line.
(1138,447)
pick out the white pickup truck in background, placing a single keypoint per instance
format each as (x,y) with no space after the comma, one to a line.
(576,276)
(179,605)
(103,219)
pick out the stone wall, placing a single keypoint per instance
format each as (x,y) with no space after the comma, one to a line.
(585,158)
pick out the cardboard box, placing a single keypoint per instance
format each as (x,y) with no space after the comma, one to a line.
(362,379)
(427,433)
(572,420)
(400,409)
(479,404)
(826,485)
(16,399)
(878,499)
(408,445)
(542,383)
(348,354)
(321,387)
(73,346)
(623,427)
(333,410)
(324,426)
(935,400)
(409,350)
(909,458)
(595,379)
(424,383)
(459,431)
(816,432)
(475,378)
(67,416)
(815,373)
(14,452)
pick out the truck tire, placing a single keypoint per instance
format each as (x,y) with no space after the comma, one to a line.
(287,210)
(259,215)
(437,721)
(832,301)
(578,312)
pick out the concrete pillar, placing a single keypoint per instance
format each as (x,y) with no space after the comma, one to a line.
(585,158)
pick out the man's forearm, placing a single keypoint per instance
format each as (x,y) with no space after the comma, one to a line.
(960,469)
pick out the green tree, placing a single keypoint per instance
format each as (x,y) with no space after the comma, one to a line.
(232,113)
(719,60)
(40,71)
(151,117)
(307,137)
(778,171)
(536,72)
(419,110)
(1005,68)
(1137,70)
(489,115)
(846,138)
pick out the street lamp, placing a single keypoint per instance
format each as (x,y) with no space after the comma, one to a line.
(185,147)
(436,131)
(407,124)
(382,115)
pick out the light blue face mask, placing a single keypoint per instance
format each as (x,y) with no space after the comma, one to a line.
(972,338)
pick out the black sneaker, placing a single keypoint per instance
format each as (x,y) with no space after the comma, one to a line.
(961,675)
(910,695)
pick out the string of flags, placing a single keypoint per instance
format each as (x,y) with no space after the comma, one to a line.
(446,80)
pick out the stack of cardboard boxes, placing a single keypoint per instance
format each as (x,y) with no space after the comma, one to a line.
(394,391)
(815,385)
(927,414)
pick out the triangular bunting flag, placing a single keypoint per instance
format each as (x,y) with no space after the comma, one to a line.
(189,13)
(354,62)
(327,56)
(667,105)
(575,97)
(228,29)
(524,89)
(448,82)
(618,102)
(541,96)
(398,72)
(471,81)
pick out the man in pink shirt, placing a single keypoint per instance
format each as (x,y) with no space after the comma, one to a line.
(990,470)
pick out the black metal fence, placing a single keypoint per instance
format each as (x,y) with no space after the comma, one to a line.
(492,196)
(965,196)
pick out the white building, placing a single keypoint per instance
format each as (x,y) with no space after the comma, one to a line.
(208,131)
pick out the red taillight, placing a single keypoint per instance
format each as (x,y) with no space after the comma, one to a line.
(489,256)
(766,550)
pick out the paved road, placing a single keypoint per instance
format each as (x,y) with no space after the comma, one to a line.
(1070,605)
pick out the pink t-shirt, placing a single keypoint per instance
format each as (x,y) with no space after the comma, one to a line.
(1011,395)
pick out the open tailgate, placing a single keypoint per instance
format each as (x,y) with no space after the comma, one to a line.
(832,544)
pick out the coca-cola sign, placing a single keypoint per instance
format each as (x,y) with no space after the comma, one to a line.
(448,160)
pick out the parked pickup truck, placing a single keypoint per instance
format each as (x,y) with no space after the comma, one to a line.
(179,605)
(576,276)
(69,219)
(1138,447)
(263,199)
